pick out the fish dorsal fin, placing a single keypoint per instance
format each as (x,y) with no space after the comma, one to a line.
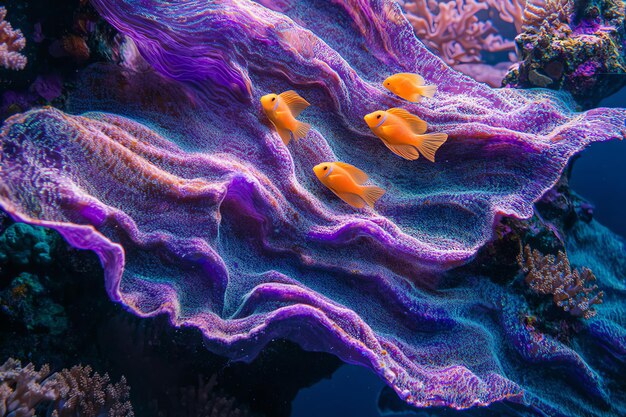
(417,125)
(414,78)
(359,176)
(295,103)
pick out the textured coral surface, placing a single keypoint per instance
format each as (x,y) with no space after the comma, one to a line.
(197,209)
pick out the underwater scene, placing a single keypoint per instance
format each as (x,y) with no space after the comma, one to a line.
(312,208)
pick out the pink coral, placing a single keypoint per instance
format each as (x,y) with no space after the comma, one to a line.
(572,290)
(69,393)
(23,388)
(510,11)
(454,30)
(11,43)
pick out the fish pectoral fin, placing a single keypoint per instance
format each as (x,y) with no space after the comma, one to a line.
(417,125)
(301,130)
(295,103)
(405,151)
(285,135)
(372,194)
(357,175)
(353,199)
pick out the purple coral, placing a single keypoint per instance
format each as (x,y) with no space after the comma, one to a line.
(572,290)
(200,212)
(11,43)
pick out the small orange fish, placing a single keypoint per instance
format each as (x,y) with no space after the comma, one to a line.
(282,110)
(409,86)
(403,133)
(346,182)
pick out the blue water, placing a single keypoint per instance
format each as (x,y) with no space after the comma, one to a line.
(352,391)
(599,175)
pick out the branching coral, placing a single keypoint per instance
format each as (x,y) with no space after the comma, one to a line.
(454,30)
(82,392)
(572,290)
(511,11)
(541,14)
(69,393)
(23,388)
(11,43)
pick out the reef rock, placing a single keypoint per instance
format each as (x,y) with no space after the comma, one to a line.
(573,46)
(22,244)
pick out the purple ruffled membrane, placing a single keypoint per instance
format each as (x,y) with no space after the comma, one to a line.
(198,210)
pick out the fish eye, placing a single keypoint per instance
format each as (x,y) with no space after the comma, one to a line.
(325,168)
(378,117)
(388,83)
(273,98)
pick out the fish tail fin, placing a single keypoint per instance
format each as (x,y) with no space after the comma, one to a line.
(301,130)
(430,143)
(428,90)
(371,194)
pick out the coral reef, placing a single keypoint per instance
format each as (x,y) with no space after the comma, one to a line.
(22,244)
(82,392)
(11,43)
(61,41)
(68,393)
(459,32)
(577,47)
(23,388)
(572,290)
(197,210)
(454,31)
(24,301)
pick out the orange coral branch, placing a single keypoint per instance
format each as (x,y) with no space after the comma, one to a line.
(572,290)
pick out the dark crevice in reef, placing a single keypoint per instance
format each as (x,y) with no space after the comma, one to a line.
(61,40)
(556,214)
(54,310)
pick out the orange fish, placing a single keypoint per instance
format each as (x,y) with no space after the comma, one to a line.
(409,86)
(346,182)
(403,133)
(282,110)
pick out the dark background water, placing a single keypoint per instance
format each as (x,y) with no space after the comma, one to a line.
(598,176)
